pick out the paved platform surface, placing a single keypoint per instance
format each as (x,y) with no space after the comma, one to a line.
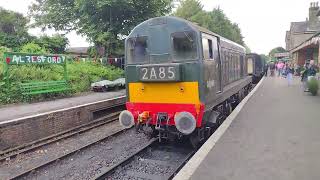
(276,135)
(19,111)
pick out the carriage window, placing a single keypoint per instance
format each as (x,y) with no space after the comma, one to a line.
(184,46)
(137,50)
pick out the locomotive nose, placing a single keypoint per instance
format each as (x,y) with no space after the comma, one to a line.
(126,119)
(185,122)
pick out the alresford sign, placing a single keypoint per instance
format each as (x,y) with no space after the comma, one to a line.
(21,58)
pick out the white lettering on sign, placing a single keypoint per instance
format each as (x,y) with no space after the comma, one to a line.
(171,73)
(24,59)
(160,73)
(153,74)
(145,72)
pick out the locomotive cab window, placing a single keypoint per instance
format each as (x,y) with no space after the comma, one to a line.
(184,46)
(137,50)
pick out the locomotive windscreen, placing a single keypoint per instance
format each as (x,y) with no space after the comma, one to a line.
(184,46)
(137,50)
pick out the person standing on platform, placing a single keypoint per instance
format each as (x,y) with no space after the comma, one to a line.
(266,67)
(272,68)
(304,77)
(312,70)
(279,68)
(289,72)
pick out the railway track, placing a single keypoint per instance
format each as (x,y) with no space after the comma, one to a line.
(11,153)
(153,161)
(25,173)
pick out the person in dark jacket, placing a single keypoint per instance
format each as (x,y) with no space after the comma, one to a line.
(266,67)
(304,77)
(312,70)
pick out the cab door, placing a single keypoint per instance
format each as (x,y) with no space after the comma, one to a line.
(212,68)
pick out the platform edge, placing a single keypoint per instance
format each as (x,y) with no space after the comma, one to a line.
(191,166)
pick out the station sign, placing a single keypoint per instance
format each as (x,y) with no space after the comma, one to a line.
(22,58)
(285,54)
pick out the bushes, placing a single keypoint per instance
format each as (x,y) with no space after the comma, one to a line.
(313,86)
(81,75)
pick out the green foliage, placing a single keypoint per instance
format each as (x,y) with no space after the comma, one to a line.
(81,75)
(264,58)
(2,50)
(215,20)
(248,50)
(55,44)
(33,48)
(313,86)
(189,9)
(276,50)
(13,29)
(102,21)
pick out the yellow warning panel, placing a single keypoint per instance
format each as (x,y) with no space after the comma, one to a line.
(175,92)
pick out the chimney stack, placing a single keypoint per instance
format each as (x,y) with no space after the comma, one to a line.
(313,18)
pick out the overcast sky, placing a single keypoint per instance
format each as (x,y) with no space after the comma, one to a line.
(263,22)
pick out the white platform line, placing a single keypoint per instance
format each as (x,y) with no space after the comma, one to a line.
(59,110)
(187,171)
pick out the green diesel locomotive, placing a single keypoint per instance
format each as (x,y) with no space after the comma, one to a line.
(182,80)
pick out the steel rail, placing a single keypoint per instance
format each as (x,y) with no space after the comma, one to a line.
(39,166)
(105,171)
(57,137)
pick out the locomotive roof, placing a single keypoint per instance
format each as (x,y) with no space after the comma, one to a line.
(180,25)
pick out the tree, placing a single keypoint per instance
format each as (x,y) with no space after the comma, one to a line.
(188,9)
(276,50)
(33,48)
(102,21)
(264,58)
(55,44)
(215,20)
(13,29)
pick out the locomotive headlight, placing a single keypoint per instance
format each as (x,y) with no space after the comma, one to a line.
(126,119)
(185,122)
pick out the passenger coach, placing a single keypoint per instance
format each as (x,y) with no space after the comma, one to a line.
(182,79)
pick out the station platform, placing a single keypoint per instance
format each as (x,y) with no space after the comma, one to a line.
(23,110)
(274,135)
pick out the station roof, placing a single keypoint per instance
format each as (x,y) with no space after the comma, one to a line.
(312,41)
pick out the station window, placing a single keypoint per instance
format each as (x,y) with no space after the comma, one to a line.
(184,46)
(137,50)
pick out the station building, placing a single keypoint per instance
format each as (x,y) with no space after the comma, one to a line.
(302,40)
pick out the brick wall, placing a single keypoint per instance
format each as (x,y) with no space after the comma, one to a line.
(23,131)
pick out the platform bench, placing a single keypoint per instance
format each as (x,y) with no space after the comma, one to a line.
(43,87)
